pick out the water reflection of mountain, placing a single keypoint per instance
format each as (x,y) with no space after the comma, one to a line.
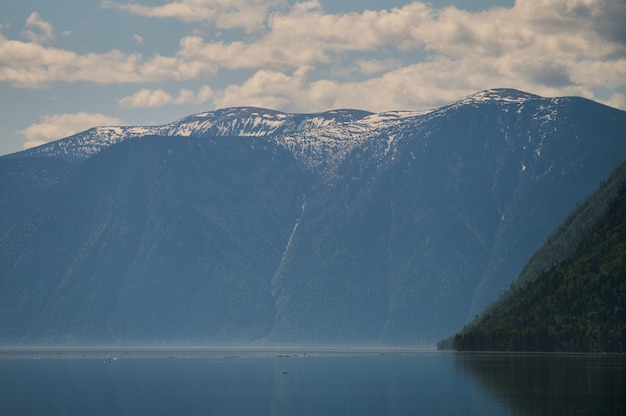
(554,384)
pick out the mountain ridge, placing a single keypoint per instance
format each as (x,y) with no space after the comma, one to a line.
(393,227)
(293,130)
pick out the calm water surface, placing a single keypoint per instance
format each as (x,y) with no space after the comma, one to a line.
(314,383)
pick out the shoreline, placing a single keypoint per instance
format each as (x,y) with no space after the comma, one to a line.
(185,352)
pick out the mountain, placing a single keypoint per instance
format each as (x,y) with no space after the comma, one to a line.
(571,295)
(252,225)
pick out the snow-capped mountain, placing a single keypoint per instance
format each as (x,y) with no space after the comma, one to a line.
(316,139)
(245,224)
(228,122)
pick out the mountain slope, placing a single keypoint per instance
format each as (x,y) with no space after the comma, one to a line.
(151,237)
(456,207)
(566,300)
(25,181)
(249,224)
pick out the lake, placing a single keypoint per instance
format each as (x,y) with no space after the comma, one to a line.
(308,382)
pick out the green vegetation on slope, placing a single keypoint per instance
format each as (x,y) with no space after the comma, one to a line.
(578,304)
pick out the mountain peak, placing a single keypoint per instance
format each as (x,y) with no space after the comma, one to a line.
(321,133)
(509,95)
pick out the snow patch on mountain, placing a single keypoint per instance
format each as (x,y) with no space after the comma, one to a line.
(500,95)
(318,140)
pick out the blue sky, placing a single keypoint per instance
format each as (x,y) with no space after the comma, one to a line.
(69,65)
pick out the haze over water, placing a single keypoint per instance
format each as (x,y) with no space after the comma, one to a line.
(313,382)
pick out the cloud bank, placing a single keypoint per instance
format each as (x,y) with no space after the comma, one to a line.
(52,127)
(301,58)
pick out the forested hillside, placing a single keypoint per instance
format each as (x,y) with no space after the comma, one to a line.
(578,304)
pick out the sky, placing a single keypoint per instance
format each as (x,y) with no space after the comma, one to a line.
(68,65)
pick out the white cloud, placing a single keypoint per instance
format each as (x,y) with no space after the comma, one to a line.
(53,127)
(30,65)
(247,14)
(43,31)
(272,89)
(186,96)
(147,98)
(307,36)
(417,86)
(299,56)
(546,47)
(422,85)
(138,38)
(375,66)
